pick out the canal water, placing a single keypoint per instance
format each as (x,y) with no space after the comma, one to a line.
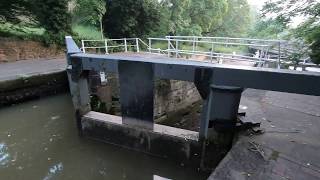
(39,141)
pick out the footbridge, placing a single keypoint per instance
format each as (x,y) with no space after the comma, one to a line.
(220,87)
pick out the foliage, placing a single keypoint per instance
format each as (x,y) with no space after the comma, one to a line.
(54,17)
(131,18)
(268,29)
(86,32)
(11,10)
(88,12)
(51,15)
(21,31)
(298,51)
(286,10)
(207,13)
(193,17)
(236,21)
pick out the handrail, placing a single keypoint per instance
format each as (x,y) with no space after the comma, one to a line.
(175,44)
(227,38)
(210,42)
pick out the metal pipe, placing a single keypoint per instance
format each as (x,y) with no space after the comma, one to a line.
(226,38)
(169,48)
(210,42)
(137,44)
(279,56)
(83,48)
(149,45)
(106,46)
(125,45)
(177,51)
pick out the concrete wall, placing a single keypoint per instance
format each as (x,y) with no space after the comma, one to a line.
(14,50)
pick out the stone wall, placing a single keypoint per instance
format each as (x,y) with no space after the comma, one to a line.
(170,96)
(14,50)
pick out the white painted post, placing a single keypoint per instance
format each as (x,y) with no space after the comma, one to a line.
(149,45)
(177,48)
(137,44)
(125,45)
(279,55)
(211,52)
(194,44)
(169,48)
(83,48)
(106,46)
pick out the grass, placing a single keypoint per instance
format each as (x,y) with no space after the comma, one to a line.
(86,32)
(21,31)
(25,32)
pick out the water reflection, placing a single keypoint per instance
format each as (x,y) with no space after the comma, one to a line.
(4,155)
(44,144)
(53,171)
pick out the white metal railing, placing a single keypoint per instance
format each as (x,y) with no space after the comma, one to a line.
(107,44)
(180,46)
(174,47)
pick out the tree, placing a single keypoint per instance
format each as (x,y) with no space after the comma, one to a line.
(286,10)
(131,18)
(236,21)
(178,20)
(88,12)
(208,14)
(11,10)
(193,17)
(268,29)
(54,17)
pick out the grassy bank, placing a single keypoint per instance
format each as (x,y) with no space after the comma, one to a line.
(24,32)
(86,32)
(21,31)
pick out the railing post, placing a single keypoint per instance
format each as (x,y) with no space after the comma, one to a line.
(193,44)
(196,44)
(211,52)
(279,55)
(125,45)
(177,48)
(83,48)
(137,44)
(169,48)
(149,45)
(106,46)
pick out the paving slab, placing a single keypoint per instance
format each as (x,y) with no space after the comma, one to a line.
(289,147)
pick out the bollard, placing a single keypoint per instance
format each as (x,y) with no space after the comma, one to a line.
(224,106)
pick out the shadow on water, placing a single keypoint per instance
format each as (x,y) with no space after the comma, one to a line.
(39,140)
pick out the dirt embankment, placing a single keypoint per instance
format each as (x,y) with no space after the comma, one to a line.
(14,50)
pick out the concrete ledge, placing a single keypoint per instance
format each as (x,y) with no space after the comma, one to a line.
(164,141)
(179,145)
(34,86)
